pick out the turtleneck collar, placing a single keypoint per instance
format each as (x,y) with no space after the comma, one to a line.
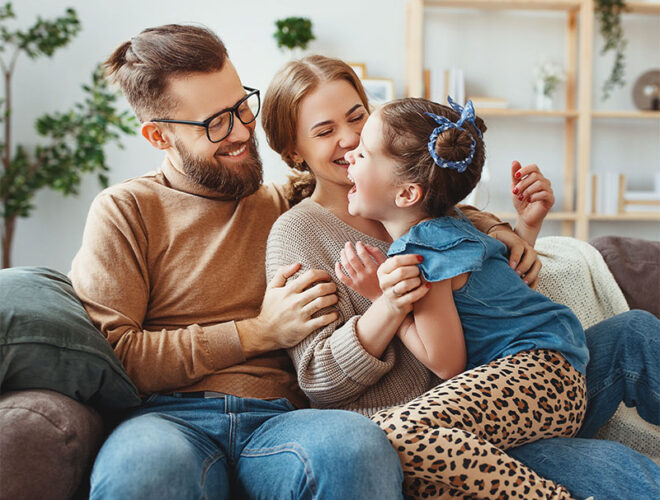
(181,182)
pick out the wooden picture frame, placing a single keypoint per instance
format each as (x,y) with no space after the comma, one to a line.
(359,68)
(379,90)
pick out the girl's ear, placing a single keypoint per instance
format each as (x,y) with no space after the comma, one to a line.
(408,195)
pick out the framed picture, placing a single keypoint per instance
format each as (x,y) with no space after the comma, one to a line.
(379,90)
(359,68)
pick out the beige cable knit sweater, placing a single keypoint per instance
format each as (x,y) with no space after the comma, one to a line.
(334,370)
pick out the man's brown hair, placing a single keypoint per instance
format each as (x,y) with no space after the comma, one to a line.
(143,65)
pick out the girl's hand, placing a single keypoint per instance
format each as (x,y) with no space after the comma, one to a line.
(532,198)
(401,283)
(522,257)
(360,269)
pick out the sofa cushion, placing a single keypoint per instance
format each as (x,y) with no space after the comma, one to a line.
(48,442)
(635,264)
(47,341)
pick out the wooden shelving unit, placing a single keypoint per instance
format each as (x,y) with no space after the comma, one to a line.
(577,116)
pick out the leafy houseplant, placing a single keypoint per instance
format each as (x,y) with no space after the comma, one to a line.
(293,32)
(75,139)
(608,13)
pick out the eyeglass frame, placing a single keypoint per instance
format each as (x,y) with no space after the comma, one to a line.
(233,111)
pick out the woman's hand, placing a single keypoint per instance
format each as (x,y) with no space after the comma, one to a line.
(401,282)
(532,198)
(360,269)
(522,256)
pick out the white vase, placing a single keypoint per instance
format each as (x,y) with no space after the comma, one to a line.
(543,101)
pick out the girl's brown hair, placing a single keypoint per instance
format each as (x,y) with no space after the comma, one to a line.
(406,132)
(279,114)
(143,65)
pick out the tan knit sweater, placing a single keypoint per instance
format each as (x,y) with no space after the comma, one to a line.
(165,270)
(334,370)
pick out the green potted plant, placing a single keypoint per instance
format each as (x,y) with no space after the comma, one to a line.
(293,33)
(608,13)
(75,139)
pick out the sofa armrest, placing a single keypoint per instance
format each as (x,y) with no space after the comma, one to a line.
(48,442)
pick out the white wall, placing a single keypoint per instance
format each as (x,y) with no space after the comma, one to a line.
(497,51)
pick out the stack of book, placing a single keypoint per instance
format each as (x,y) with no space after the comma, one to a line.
(440,83)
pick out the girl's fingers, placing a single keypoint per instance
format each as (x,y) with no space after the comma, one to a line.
(346,264)
(376,253)
(341,275)
(352,257)
(542,196)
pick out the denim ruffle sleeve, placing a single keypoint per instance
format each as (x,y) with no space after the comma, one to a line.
(449,247)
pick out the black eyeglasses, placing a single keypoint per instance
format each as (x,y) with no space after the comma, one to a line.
(218,127)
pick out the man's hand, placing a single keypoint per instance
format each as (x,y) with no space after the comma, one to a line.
(287,309)
(360,266)
(522,256)
(401,282)
(532,197)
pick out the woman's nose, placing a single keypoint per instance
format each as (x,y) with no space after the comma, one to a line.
(349,139)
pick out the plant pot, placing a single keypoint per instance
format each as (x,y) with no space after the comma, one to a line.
(543,101)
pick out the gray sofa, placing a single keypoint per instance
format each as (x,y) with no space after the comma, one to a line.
(49,440)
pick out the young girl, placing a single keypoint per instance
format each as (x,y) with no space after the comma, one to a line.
(516,361)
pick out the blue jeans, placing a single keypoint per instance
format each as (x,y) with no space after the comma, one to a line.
(624,366)
(191,448)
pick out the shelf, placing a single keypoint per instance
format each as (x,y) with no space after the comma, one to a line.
(550,216)
(642,8)
(524,112)
(646,115)
(628,216)
(507,4)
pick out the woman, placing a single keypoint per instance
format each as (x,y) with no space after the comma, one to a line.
(313,114)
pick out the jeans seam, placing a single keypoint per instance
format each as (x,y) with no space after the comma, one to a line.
(286,448)
(208,463)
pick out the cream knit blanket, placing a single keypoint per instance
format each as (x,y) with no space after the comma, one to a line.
(575,274)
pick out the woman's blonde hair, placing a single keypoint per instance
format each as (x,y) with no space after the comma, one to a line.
(280,108)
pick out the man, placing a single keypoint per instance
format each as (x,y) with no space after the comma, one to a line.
(171,270)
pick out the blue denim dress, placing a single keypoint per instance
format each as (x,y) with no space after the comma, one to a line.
(500,314)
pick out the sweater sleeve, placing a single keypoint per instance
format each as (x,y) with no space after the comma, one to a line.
(483,221)
(110,275)
(333,367)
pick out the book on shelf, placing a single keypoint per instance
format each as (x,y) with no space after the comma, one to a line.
(440,83)
(607,194)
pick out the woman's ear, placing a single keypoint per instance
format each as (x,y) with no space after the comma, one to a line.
(153,133)
(296,157)
(408,195)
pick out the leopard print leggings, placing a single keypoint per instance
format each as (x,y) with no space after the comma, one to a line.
(450,439)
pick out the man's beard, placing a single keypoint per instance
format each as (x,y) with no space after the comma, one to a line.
(234,182)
